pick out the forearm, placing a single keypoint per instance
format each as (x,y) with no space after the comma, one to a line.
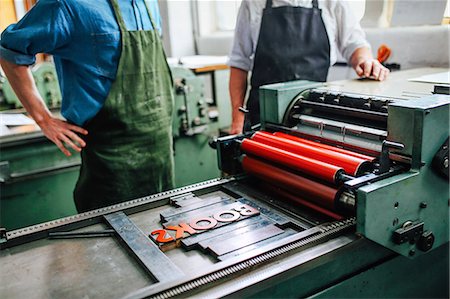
(238,88)
(22,82)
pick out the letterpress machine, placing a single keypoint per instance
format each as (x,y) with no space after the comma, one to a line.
(335,195)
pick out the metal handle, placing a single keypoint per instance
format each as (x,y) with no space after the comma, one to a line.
(393,145)
(384,156)
(10,177)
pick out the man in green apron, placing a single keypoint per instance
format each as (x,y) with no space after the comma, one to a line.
(117,93)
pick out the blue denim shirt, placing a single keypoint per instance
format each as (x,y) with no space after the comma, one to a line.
(84,38)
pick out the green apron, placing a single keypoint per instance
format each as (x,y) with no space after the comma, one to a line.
(128,151)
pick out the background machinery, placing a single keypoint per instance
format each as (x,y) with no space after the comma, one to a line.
(37,180)
(315,204)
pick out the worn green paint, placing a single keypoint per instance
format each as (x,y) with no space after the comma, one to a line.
(47,195)
(46,80)
(222,97)
(195,160)
(276,98)
(424,277)
(39,181)
(422,126)
(361,269)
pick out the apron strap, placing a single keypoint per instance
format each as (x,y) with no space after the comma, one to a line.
(119,16)
(150,15)
(315,3)
(120,19)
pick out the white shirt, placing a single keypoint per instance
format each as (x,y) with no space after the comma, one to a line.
(343,29)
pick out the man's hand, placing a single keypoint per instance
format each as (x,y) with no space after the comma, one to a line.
(63,134)
(365,65)
(60,132)
(372,69)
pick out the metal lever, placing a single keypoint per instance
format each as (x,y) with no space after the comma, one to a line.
(384,156)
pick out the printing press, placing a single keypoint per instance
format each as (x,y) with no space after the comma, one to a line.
(333,195)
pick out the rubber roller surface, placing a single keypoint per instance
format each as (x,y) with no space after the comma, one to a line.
(308,166)
(350,164)
(320,194)
(305,203)
(321,145)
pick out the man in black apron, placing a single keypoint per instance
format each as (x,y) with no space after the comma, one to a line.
(293,44)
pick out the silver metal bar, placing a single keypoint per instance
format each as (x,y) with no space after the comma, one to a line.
(21,176)
(338,124)
(87,234)
(221,248)
(158,265)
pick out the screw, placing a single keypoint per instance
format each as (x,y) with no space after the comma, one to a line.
(412,252)
(423,205)
(446,163)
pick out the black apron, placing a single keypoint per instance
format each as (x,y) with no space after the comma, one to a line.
(292,45)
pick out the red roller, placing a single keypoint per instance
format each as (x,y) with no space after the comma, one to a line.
(324,146)
(305,203)
(319,194)
(350,164)
(303,164)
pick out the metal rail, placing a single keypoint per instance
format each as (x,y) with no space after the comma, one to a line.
(183,287)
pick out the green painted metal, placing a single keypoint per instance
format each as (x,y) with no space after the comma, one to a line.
(424,277)
(46,79)
(190,113)
(362,269)
(39,179)
(195,160)
(195,122)
(222,97)
(422,126)
(37,183)
(276,98)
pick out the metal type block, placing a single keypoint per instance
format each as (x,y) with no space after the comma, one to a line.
(181,198)
(202,212)
(245,240)
(166,215)
(185,202)
(273,214)
(158,265)
(234,235)
(191,241)
(287,232)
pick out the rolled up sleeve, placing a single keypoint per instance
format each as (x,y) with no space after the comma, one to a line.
(242,49)
(45,28)
(350,34)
